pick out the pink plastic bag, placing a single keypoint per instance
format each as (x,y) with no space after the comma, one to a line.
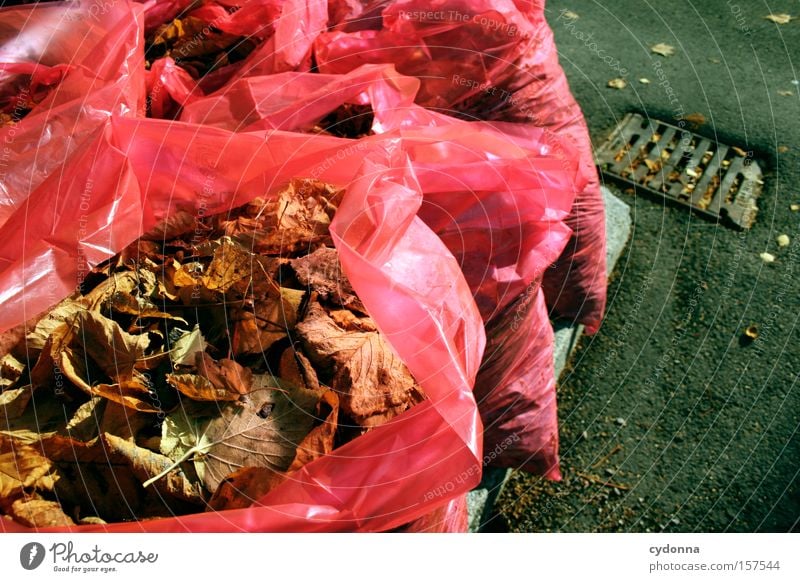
(538,94)
(516,389)
(497,201)
(488,60)
(452,517)
(92,64)
(284,31)
(144,170)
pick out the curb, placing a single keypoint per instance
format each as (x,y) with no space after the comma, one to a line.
(481,500)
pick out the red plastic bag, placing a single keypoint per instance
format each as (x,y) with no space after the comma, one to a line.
(452,517)
(88,65)
(516,389)
(284,31)
(497,201)
(488,60)
(538,94)
(144,170)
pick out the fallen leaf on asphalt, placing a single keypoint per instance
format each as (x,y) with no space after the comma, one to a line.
(783,149)
(794,207)
(569,14)
(644,81)
(786,93)
(739,151)
(783,240)
(767,257)
(663,49)
(617,83)
(751,331)
(780,18)
(695,119)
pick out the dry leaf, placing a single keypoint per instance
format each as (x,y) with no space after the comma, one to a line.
(739,151)
(319,442)
(783,240)
(242,488)
(569,14)
(694,118)
(644,81)
(782,149)
(374,385)
(786,93)
(36,512)
(767,257)
(184,350)
(10,371)
(617,83)
(22,467)
(321,272)
(295,368)
(14,402)
(779,18)
(663,49)
(751,332)
(262,431)
(255,332)
(146,464)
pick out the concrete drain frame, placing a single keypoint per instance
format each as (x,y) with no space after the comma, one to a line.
(715,180)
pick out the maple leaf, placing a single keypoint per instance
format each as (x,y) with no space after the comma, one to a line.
(373,383)
(262,431)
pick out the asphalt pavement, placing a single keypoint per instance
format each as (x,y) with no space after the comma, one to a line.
(671,418)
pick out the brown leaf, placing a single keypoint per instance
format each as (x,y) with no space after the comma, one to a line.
(146,464)
(319,442)
(133,394)
(321,272)
(33,511)
(373,383)
(242,488)
(200,388)
(22,467)
(347,320)
(695,119)
(263,430)
(295,217)
(103,341)
(274,316)
(10,371)
(231,264)
(225,375)
(295,368)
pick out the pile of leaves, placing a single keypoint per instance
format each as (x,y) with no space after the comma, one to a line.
(195,370)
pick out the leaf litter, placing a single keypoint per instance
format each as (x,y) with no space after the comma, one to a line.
(194,372)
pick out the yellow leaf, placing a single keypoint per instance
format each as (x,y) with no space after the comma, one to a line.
(779,18)
(617,83)
(663,49)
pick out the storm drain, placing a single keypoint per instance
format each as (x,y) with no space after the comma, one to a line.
(714,179)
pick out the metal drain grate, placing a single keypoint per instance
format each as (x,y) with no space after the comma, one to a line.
(712,178)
